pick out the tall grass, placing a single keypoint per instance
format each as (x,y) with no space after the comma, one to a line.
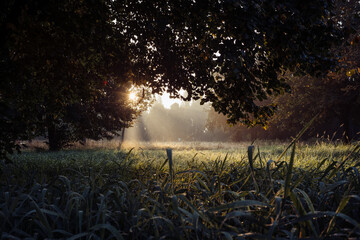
(310,192)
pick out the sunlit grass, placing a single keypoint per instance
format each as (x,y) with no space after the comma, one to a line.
(198,192)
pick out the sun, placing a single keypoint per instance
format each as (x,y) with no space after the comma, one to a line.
(132,96)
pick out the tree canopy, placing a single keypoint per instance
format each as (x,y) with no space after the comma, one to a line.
(66,66)
(63,69)
(333,97)
(229,53)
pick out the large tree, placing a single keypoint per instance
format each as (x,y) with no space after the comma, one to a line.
(57,56)
(229,53)
(335,96)
(63,70)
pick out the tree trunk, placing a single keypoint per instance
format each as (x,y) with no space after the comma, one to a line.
(53,138)
(122,137)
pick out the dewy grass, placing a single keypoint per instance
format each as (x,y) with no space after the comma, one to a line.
(312,192)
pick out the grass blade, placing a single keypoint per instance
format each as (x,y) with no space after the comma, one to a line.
(289,172)
(238,204)
(298,136)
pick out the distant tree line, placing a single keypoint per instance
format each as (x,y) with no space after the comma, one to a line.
(184,122)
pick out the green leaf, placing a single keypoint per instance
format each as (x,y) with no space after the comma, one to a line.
(238,204)
(289,172)
(110,228)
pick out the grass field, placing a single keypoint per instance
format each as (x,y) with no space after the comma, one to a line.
(196,191)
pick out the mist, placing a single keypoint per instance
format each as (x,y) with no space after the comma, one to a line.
(183,121)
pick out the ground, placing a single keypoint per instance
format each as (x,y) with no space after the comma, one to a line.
(201,190)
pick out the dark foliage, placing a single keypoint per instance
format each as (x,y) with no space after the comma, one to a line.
(62,72)
(61,55)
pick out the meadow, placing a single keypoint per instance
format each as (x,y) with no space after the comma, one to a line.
(261,190)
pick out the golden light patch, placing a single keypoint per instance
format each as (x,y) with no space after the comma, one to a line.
(132,96)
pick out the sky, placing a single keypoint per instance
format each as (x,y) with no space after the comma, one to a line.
(167,101)
(164,99)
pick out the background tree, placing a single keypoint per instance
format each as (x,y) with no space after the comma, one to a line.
(221,130)
(185,122)
(335,96)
